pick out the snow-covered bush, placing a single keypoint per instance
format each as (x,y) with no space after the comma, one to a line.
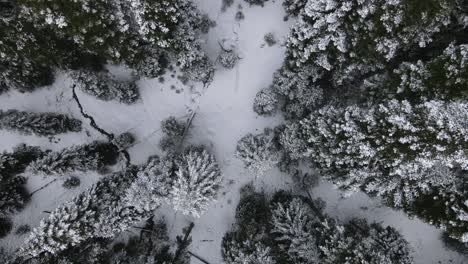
(258,152)
(41,124)
(266,102)
(270,39)
(197,182)
(228,58)
(91,157)
(105,87)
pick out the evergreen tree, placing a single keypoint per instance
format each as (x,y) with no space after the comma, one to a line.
(152,184)
(96,213)
(228,58)
(197,182)
(443,77)
(266,102)
(408,154)
(298,89)
(41,124)
(173,133)
(105,87)
(13,194)
(258,152)
(94,156)
(298,231)
(40,36)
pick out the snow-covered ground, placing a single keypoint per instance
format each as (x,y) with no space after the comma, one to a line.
(223,115)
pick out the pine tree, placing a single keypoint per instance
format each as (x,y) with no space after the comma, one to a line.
(258,152)
(97,212)
(443,77)
(298,89)
(403,152)
(228,58)
(298,231)
(94,156)
(104,86)
(41,36)
(293,224)
(13,194)
(173,133)
(41,124)
(152,184)
(266,102)
(294,7)
(197,182)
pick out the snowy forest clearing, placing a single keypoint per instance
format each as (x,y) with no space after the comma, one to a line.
(224,114)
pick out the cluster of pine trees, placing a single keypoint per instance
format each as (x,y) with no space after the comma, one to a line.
(293,229)
(40,37)
(375,97)
(188,181)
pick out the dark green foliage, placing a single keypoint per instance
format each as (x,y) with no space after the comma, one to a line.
(41,124)
(5,226)
(95,156)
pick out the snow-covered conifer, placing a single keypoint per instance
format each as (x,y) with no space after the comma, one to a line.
(105,87)
(266,102)
(152,185)
(97,212)
(228,58)
(298,89)
(41,124)
(293,223)
(94,156)
(258,152)
(197,182)
(397,150)
(13,194)
(293,7)
(173,133)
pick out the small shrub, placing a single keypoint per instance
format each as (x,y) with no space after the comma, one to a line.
(270,39)
(71,182)
(266,102)
(240,16)
(228,59)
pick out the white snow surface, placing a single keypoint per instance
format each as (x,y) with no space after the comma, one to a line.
(224,114)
